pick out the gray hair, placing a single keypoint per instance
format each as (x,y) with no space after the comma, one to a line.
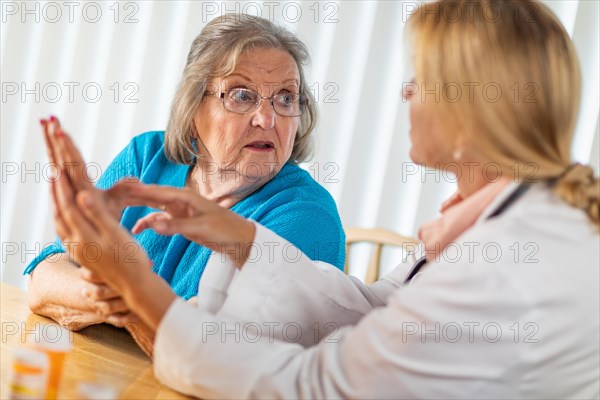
(214,53)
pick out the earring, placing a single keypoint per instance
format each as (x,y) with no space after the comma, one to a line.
(457,155)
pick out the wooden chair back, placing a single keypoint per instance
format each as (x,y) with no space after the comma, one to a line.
(379,238)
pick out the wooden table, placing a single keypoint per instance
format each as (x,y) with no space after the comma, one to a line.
(101,353)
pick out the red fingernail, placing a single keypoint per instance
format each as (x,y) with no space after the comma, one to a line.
(52,118)
(43,122)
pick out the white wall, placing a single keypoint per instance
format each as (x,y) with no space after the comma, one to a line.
(135,51)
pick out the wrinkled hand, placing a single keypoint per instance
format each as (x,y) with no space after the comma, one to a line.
(200,220)
(84,216)
(102,299)
(71,171)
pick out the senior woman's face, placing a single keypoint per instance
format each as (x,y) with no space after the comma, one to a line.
(259,142)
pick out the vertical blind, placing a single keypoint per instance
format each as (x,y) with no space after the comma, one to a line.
(109,70)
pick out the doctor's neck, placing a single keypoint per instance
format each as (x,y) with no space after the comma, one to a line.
(473,177)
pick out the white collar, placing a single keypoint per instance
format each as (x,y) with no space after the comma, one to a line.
(498,200)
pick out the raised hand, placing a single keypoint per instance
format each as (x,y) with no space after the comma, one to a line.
(71,180)
(189,214)
(70,165)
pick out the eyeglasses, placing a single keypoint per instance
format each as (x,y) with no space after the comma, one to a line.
(242,101)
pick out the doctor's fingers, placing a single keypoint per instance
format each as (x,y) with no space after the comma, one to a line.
(146,221)
(192,228)
(178,202)
(214,233)
(117,196)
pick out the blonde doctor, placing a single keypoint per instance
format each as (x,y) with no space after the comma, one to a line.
(514,315)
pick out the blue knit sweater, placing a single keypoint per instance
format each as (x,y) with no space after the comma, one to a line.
(291,204)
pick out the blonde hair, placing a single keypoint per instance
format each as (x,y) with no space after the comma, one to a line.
(213,54)
(519,48)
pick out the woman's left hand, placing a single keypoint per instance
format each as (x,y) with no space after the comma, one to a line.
(96,239)
(84,217)
(72,167)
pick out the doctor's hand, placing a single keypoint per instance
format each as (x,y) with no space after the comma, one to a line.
(189,214)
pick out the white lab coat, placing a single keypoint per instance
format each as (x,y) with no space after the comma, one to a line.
(514,314)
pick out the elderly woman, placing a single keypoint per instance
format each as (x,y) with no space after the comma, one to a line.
(240,123)
(521,321)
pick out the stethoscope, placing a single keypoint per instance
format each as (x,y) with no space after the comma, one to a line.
(499,210)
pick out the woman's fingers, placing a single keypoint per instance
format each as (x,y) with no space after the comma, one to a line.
(72,218)
(99,292)
(146,222)
(49,145)
(121,320)
(104,299)
(61,228)
(73,228)
(109,307)
(72,162)
(90,276)
(52,137)
(61,202)
(62,191)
